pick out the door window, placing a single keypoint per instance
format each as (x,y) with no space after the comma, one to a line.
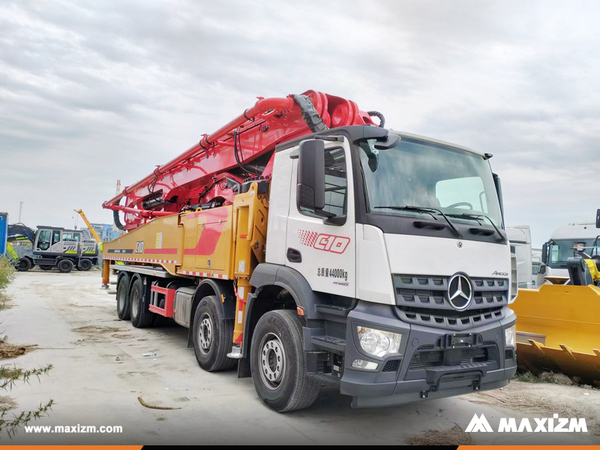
(336,184)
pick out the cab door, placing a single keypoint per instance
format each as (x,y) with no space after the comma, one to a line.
(320,243)
(49,242)
(70,243)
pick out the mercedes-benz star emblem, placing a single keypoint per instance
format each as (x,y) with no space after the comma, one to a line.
(460,292)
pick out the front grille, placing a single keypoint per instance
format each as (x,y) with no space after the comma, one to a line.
(448,319)
(423,299)
(432,292)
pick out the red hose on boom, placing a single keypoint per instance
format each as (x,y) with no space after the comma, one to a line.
(211,169)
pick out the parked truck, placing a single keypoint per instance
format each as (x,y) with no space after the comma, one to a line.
(558,325)
(564,243)
(307,244)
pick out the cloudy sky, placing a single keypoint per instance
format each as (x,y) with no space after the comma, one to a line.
(94,92)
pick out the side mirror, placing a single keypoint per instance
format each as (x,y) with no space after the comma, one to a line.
(542,270)
(598,218)
(310,191)
(545,253)
(498,186)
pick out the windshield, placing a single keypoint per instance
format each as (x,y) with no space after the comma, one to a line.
(562,249)
(422,174)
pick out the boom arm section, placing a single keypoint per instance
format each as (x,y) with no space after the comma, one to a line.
(89,225)
(211,172)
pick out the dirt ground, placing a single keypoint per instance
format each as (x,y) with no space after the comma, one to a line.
(106,372)
(8,351)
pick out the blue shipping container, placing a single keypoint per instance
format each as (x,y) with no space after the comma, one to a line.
(3,232)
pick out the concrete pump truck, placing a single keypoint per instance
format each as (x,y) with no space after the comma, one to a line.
(306,244)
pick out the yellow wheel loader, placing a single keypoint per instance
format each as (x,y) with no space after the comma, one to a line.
(558,325)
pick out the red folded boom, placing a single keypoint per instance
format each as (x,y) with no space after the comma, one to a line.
(211,170)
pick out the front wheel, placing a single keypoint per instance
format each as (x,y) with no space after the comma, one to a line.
(277,363)
(24,265)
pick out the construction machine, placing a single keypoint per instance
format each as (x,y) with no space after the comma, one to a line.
(306,244)
(558,325)
(565,242)
(49,247)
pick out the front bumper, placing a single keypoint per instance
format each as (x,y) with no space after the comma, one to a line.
(431,363)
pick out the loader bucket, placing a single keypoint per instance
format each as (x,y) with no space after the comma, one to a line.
(558,329)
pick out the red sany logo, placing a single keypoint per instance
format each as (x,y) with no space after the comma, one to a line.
(324,242)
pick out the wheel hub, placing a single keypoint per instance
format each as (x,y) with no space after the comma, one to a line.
(272,361)
(205,334)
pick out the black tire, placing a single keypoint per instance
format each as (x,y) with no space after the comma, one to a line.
(123,310)
(277,363)
(85,265)
(139,300)
(46,267)
(24,265)
(65,265)
(212,336)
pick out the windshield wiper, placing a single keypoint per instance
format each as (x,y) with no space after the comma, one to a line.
(477,217)
(426,210)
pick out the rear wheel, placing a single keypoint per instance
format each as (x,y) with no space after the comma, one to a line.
(24,265)
(139,298)
(212,335)
(65,265)
(277,363)
(123,310)
(85,265)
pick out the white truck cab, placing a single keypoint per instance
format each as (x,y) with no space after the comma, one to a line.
(394,248)
(566,242)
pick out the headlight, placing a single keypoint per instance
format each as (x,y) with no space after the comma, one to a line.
(378,342)
(510,336)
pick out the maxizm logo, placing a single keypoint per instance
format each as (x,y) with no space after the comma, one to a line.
(554,424)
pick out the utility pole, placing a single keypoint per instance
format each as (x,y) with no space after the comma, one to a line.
(20,209)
